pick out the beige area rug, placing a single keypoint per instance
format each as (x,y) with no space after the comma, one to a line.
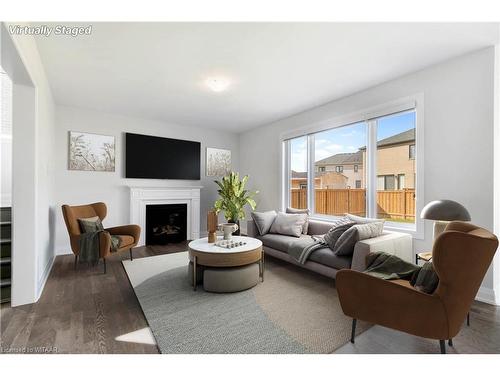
(293,311)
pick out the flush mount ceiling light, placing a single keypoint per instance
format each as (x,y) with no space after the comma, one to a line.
(217,84)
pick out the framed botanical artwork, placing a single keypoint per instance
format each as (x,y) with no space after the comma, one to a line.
(91,152)
(218,162)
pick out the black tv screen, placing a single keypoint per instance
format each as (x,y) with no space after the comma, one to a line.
(162,158)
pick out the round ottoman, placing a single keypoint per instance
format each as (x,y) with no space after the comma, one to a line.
(233,279)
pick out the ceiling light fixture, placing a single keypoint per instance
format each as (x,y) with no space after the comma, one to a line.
(217,84)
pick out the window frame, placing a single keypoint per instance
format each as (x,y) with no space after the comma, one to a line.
(369,116)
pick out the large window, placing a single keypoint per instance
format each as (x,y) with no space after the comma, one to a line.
(338,151)
(366,168)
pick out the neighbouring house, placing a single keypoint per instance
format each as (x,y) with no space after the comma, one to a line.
(348,164)
(395,161)
(322,180)
(395,165)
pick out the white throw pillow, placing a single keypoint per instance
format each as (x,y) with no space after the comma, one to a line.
(291,210)
(288,224)
(370,230)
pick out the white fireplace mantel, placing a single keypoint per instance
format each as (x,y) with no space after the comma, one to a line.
(140,197)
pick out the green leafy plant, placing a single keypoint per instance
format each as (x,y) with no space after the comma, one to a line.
(234,197)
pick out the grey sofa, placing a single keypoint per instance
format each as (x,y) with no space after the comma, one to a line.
(326,263)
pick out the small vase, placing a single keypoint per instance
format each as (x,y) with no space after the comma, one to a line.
(237,222)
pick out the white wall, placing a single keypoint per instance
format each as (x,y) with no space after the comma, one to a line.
(5,140)
(458,122)
(81,187)
(32,154)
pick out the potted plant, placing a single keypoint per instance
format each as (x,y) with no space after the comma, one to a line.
(233,198)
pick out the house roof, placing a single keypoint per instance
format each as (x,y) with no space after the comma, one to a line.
(296,174)
(406,136)
(345,158)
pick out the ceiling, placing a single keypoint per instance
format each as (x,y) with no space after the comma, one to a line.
(158,70)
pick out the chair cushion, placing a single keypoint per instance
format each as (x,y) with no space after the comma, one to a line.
(126,240)
(326,257)
(279,241)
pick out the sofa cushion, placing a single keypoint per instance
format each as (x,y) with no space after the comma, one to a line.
(263,221)
(291,210)
(288,224)
(278,241)
(326,257)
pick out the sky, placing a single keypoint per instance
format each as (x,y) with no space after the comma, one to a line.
(347,138)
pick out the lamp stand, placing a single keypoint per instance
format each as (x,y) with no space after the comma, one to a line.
(439,227)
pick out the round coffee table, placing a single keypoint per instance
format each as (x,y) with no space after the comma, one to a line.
(202,253)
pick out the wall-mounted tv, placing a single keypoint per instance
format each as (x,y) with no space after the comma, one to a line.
(161,158)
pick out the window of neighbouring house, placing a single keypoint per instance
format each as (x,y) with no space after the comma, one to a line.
(367,168)
(411,152)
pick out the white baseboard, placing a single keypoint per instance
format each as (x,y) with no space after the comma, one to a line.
(45,276)
(487,295)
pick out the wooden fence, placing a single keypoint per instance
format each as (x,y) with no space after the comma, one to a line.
(391,204)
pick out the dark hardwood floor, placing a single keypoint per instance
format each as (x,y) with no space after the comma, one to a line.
(83,311)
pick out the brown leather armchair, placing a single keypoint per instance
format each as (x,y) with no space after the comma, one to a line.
(461,257)
(129,233)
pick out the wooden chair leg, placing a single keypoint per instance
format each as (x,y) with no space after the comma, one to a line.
(104,261)
(353,331)
(468,318)
(442,346)
(450,342)
(130,250)
(76,261)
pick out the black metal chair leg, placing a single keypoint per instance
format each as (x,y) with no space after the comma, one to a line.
(353,331)
(104,260)
(443,346)
(131,254)
(468,318)
(450,342)
(76,261)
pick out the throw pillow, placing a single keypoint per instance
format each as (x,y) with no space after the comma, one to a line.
(339,227)
(345,243)
(362,220)
(370,230)
(264,220)
(288,224)
(291,210)
(90,224)
(426,280)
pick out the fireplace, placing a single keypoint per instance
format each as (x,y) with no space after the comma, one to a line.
(166,223)
(142,197)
